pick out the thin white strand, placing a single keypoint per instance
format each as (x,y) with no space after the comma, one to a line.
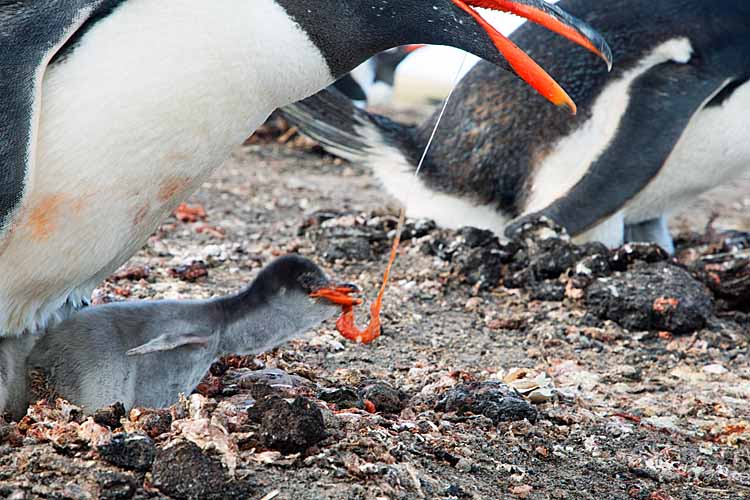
(440,116)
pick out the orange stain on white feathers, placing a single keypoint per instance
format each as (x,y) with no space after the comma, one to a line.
(141,213)
(172,186)
(39,220)
(44,216)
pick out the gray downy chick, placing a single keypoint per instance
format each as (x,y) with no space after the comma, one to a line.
(147,353)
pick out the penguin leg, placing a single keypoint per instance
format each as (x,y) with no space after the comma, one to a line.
(610,232)
(662,103)
(650,231)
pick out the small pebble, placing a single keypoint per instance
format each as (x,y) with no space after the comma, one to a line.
(129,451)
(110,416)
(183,471)
(715,369)
(384,397)
(463,465)
(288,427)
(494,400)
(473,304)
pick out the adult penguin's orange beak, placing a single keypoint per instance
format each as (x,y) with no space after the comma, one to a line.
(551,17)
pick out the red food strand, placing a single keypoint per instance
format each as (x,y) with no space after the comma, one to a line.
(345,324)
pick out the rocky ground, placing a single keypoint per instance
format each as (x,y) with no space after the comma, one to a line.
(535,369)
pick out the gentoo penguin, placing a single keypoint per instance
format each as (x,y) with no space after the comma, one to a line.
(667,124)
(114,111)
(372,81)
(146,353)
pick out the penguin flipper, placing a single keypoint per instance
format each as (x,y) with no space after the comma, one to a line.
(31,33)
(662,103)
(169,342)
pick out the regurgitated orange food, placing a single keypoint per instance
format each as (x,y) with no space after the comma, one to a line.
(345,324)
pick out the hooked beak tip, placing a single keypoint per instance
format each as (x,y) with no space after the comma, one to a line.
(571,106)
(338,294)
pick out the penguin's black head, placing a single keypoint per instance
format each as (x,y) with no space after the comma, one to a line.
(293,275)
(347,32)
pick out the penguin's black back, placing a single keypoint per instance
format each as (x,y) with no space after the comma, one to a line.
(496,129)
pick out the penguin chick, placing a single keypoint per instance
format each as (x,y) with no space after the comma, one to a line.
(147,353)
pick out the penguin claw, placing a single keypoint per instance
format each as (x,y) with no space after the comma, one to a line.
(524,224)
(516,228)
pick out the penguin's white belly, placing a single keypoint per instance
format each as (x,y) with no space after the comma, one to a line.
(133,122)
(714,149)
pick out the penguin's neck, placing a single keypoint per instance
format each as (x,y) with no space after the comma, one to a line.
(253,324)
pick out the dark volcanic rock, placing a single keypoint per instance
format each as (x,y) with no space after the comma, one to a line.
(475,238)
(342,397)
(352,236)
(9,433)
(483,266)
(494,400)
(348,248)
(630,253)
(183,471)
(553,257)
(418,228)
(549,291)
(477,255)
(593,266)
(438,247)
(652,297)
(115,485)
(288,427)
(129,450)
(270,377)
(518,279)
(386,398)
(110,416)
(192,272)
(727,275)
(153,422)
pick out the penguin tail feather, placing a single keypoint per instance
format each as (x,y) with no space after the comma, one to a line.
(351,133)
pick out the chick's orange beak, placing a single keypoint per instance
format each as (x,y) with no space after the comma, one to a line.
(552,18)
(339,295)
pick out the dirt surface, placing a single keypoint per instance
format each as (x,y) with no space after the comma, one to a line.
(475,390)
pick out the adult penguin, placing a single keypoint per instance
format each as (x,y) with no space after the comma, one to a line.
(371,83)
(114,111)
(667,124)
